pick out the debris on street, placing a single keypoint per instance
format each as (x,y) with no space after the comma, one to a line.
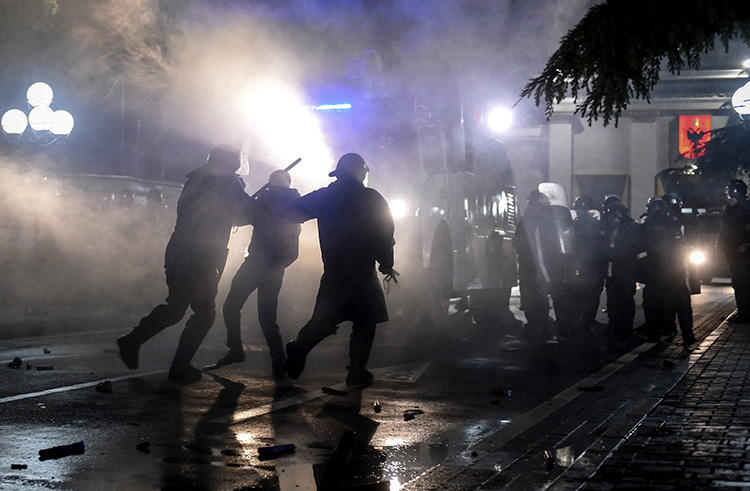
(43,368)
(60,451)
(376,406)
(16,363)
(267,453)
(18,467)
(144,447)
(104,387)
(409,414)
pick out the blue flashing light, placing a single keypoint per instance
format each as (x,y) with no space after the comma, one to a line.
(333,107)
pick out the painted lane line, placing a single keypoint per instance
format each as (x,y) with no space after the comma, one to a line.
(242,416)
(83,385)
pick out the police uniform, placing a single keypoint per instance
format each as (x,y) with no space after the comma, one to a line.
(355,229)
(212,201)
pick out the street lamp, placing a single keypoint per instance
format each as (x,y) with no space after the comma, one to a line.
(14,122)
(39,94)
(44,121)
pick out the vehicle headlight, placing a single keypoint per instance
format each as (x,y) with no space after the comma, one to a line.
(697,257)
(399,208)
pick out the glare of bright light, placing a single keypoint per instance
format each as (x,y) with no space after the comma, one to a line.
(62,124)
(41,118)
(697,257)
(746,63)
(245,438)
(39,94)
(395,484)
(499,119)
(394,442)
(333,107)
(399,208)
(14,122)
(286,129)
(741,99)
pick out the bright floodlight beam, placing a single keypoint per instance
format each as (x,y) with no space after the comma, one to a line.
(14,122)
(499,119)
(41,118)
(62,123)
(39,94)
(333,107)
(399,208)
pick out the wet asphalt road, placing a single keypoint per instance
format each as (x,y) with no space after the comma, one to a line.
(207,435)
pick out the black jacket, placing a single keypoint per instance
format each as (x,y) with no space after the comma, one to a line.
(355,227)
(275,235)
(209,206)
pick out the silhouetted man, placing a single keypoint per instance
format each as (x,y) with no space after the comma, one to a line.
(273,247)
(734,242)
(355,228)
(212,201)
(532,285)
(622,246)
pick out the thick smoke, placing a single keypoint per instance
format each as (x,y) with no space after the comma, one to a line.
(191,74)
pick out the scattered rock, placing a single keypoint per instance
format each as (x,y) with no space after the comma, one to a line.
(47,351)
(16,363)
(28,366)
(409,414)
(549,461)
(104,387)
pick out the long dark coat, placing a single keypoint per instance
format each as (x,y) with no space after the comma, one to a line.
(355,228)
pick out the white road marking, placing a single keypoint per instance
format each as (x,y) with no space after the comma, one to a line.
(83,385)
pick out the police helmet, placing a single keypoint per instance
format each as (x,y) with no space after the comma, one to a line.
(608,200)
(654,204)
(225,158)
(537,199)
(583,202)
(736,189)
(672,200)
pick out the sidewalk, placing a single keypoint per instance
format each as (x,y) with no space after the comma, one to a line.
(698,436)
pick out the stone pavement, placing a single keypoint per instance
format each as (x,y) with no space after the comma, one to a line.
(661,416)
(698,436)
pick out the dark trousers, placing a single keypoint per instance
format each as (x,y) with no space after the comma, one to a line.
(193,287)
(620,306)
(256,273)
(336,302)
(681,306)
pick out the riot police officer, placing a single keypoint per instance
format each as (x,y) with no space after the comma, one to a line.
(588,247)
(621,235)
(668,292)
(651,221)
(212,201)
(533,289)
(355,228)
(734,242)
